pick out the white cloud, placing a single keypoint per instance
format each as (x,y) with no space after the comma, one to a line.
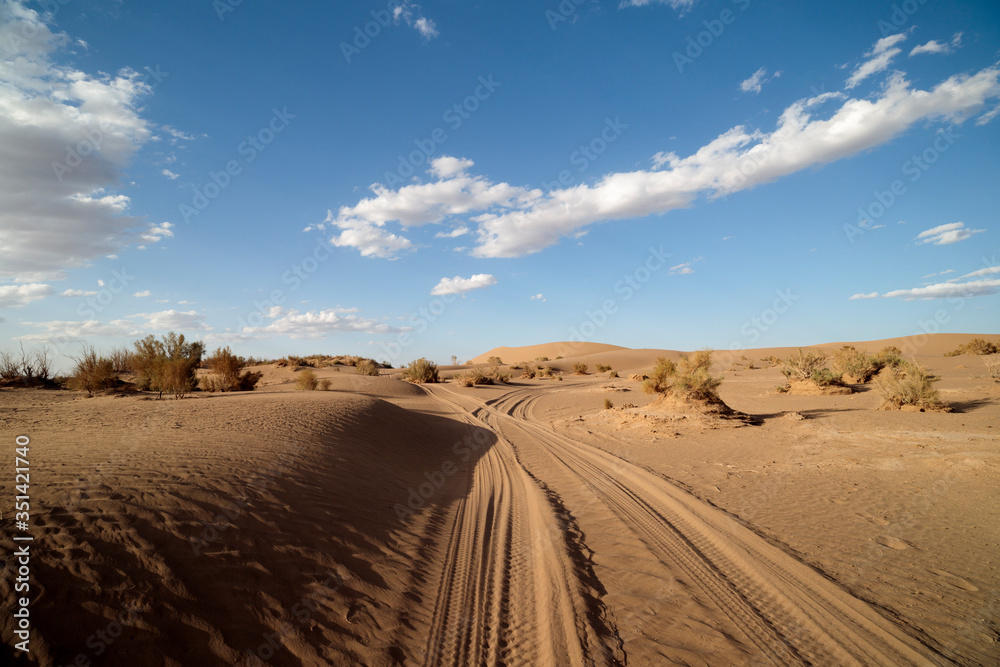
(455,233)
(988,271)
(15,296)
(143,293)
(947,290)
(935,46)
(952,232)
(77,292)
(174,320)
(871,295)
(940,273)
(157,233)
(681,269)
(538,297)
(459,285)
(880,57)
(757,80)
(60,330)
(409,12)
(680,5)
(66,136)
(315,325)
(514,221)
(171,175)
(178,134)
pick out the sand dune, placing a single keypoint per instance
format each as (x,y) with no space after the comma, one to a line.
(385,523)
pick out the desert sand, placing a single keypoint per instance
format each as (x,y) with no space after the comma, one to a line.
(384,523)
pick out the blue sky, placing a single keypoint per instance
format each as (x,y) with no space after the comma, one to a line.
(399,180)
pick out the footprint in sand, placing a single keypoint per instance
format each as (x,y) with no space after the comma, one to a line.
(955,580)
(892,542)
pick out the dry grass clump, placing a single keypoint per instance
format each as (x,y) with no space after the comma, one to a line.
(689,380)
(92,371)
(613,374)
(579,368)
(908,384)
(979,346)
(803,366)
(608,404)
(367,367)
(306,381)
(603,368)
(421,370)
(166,365)
(807,374)
(324,384)
(528,371)
(225,374)
(856,367)
(541,358)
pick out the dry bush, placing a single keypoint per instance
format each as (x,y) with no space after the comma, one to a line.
(659,379)
(579,368)
(607,404)
(908,384)
(306,381)
(495,361)
(9,367)
(888,356)
(121,359)
(773,360)
(979,346)
(226,367)
(166,365)
(367,367)
(421,370)
(541,358)
(465,379)
(693,378)
(603,368)
(324,384)
(613,374)
(855,366)
(528,372)
(92,371)
(803,365)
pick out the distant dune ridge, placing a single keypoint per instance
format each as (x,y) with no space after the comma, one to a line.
(382,522)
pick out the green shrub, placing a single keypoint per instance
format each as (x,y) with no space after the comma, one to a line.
(824,377)
(421,370)
(693,378)
(660,377)
(92,372)
(367,367)
(306,380)
(908,384)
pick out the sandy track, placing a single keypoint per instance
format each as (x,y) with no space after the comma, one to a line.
(792,614)
(506,595)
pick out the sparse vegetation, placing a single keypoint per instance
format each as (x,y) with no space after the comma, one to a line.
(691,379)
(225,373)
(580,368)
(855,366)
(979,346)
(660,377)
(32,368)
(421,370)
(603,368)
(306,381)
(528,371)
(92,371)
(543,358)
(367,367)
(166,365)
(803,365)
(608,404)
(324,384)
(613,374)
(908,384)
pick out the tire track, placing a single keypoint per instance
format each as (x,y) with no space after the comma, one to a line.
(790,612)
(509,593)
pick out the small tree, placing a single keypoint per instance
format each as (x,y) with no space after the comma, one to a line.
(454,360)
(92,371)
(167,365)
(225,367)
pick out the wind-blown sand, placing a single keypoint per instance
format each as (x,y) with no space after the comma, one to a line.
(384,523)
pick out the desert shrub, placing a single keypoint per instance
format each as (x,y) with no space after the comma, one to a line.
(693,379)
(9,368)
(543,358)
(803,365)
(979,346)
(992,362)
(166,365)
(528,371)
(545,371)
(773,360)
(324,384)
(367,367)
(92,371)
(465,379)
(121,359)
(660,377)
(613,374)
(824,377)
(888,356)
(495,361)
(607,404)
(908,384)
(580,368)
(306,381)
(421,370)
(603,368)
(854,363)
(782,388)
(225,367)
(559,357)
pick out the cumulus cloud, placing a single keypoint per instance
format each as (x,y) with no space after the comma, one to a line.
(171,175)
(946,234)
(514,220)
(459,285)
(171,320)
(453,234)
(63,330)
(143,293)
(66,137)
(757,80)
(315,325)
(879,58)
(538,297)
(77,292)
(15,296)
